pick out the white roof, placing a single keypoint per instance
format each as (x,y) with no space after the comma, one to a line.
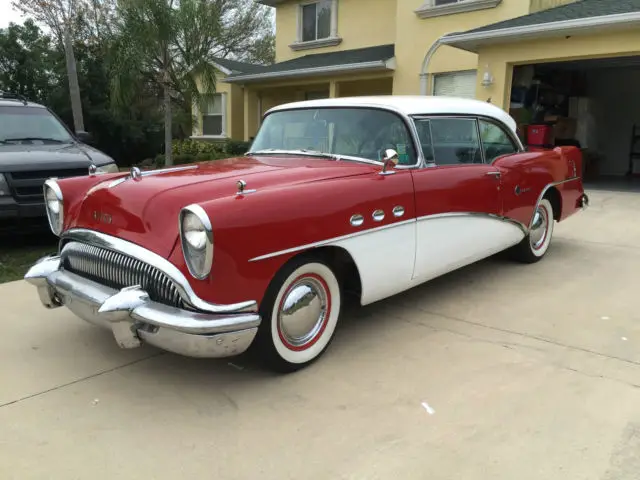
(411,105)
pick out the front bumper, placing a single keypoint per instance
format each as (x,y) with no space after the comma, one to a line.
(134,319)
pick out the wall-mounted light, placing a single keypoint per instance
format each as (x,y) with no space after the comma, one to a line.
(487,78)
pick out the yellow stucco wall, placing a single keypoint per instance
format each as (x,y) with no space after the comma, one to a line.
(501,58)
(360,24)
(415,36)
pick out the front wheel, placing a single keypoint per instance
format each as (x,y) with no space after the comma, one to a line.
(299,314)
(535,245)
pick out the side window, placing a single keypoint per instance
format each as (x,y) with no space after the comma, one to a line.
(450,141)
(495,141)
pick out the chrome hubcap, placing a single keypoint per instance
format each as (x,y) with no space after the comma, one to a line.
(538,229)
(303,311)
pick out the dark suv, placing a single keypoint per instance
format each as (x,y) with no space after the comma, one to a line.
(36,145)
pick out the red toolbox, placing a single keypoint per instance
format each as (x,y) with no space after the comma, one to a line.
(539,135)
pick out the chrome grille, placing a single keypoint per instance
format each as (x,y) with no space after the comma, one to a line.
(117,270)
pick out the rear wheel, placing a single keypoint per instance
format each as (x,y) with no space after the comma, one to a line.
(535,245)
(299,314)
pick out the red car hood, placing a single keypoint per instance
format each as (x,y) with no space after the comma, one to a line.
(145,211)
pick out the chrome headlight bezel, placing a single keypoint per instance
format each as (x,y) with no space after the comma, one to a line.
(53,194)
(198,260)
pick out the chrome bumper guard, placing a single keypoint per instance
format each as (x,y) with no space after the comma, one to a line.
(135,319)
(583,202)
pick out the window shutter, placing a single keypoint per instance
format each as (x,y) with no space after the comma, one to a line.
(457,84)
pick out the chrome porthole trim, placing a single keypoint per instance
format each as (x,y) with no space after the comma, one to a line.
(378,215)
(356,220)
(187,250)
(398,211)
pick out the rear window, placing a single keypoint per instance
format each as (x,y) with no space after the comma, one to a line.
(30,125)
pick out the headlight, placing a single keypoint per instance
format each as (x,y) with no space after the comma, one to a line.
(4,186)
(196,236)
(108,168)
(54,206)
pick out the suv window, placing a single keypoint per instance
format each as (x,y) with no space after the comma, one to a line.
(495,141)
(449,141)
(31,125)
(350,132)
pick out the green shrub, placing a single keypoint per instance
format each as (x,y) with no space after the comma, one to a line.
(196,147)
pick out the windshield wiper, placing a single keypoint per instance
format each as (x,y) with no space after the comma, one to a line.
(303,151)
(44,139)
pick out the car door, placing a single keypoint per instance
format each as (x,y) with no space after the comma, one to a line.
(457,199)
(516,170)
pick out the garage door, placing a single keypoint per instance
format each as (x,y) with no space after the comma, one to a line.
(457,84)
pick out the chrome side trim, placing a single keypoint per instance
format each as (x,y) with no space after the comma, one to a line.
(148,173)
(182,284)
(512,221)
(542,193)
(328,241)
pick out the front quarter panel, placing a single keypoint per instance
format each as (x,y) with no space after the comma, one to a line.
(256,233)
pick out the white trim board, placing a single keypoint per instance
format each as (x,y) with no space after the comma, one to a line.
(589,25)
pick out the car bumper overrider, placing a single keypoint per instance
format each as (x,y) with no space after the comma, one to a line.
(135,319)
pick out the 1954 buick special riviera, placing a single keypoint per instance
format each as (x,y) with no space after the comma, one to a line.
(373,195)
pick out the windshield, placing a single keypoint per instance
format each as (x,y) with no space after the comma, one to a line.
(356,133)
(31,125)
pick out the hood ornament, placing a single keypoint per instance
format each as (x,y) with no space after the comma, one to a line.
(92,169)
(242,185)
(136,174)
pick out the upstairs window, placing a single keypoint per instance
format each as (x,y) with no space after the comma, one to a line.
(316,20)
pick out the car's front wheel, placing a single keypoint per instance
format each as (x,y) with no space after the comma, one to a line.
(299,313)
(535,245)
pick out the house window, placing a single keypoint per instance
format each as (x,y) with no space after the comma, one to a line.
(213,116)
(316,20)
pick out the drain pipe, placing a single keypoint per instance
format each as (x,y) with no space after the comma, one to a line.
(424,75)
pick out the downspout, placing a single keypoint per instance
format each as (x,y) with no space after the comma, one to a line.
(424,75)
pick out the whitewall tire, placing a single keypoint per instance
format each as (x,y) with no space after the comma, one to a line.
(535,245)
(299,314)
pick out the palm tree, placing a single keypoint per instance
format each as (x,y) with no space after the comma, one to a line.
(165,45)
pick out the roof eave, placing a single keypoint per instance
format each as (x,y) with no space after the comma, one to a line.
(314,71)
(474,40)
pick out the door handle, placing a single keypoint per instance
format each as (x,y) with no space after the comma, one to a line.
(494,173)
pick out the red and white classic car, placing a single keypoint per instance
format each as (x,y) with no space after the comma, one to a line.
(372,195)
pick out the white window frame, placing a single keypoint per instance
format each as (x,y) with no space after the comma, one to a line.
(332,40)
(223,114)
(429,8)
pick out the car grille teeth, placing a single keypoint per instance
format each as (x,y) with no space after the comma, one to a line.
(117,270)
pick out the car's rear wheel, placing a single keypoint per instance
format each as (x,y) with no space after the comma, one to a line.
(535,245)
(299,313)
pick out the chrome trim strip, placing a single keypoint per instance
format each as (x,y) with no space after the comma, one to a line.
(512,221)
(329,240)
(182,284)
(148,173)
(321,243)
(544,190)
(202,216)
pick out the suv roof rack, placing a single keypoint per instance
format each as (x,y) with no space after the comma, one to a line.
(12,96)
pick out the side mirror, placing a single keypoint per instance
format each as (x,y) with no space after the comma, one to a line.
(84,137)
(390,161)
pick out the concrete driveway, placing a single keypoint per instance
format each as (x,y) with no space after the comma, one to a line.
(497,371)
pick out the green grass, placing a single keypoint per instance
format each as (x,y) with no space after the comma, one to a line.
(15,260)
